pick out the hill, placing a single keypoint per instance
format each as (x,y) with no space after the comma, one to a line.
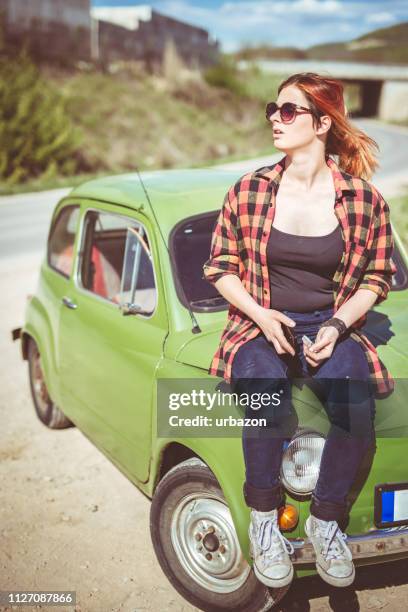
(384,46)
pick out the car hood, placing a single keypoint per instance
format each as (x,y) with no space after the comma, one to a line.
(388,332)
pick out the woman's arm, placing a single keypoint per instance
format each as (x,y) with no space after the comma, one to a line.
(374,284)
(222,270)
(356,306)
(376,281)
(224,258)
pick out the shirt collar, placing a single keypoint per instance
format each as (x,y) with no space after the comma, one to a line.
(343,182)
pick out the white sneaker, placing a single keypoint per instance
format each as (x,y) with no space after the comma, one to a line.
(333,557)
(269,550)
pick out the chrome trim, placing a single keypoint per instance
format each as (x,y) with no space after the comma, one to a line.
(300,433)
(376,543)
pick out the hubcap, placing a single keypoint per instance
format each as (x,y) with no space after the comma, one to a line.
(206,544)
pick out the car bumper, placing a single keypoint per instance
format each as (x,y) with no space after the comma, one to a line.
(16,333)
(378,543)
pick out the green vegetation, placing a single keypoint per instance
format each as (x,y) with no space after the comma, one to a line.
(399,216)
(37,138)
(59,126)
(130,119)
(226,75)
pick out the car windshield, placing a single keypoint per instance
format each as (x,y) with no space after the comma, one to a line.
(190,242)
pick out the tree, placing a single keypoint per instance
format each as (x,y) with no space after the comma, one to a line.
(36,134)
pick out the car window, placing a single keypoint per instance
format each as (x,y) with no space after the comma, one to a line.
(112,265)
(60,253)
(138,291)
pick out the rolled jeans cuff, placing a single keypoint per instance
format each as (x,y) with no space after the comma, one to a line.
(263,500)
(327,511)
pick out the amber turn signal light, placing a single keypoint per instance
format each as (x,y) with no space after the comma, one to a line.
(288,517)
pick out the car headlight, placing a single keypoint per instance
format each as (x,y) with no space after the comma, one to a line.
(301,462)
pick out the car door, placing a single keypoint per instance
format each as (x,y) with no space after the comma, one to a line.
(110,347)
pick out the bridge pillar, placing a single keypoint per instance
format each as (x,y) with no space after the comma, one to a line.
(393,101)
(370,97)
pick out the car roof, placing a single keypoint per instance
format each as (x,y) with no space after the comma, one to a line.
(174,193)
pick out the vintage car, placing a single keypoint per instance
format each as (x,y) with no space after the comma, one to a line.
(122,314)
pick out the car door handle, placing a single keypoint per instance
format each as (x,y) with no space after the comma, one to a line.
(69,303)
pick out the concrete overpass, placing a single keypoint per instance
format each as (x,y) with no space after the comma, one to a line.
(383,87)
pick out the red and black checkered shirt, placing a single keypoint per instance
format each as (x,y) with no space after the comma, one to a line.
(238,246)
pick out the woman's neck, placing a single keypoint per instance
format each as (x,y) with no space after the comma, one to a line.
(306,172)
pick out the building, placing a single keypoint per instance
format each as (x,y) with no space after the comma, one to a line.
(52,29)
(140,32)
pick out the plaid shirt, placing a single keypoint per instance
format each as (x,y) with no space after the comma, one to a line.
(238,246)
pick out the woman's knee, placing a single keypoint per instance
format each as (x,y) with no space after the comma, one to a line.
(348,360)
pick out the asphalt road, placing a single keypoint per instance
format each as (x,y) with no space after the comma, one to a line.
(68,518)
(24,219)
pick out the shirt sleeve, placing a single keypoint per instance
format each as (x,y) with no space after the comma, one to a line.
(224,256)
(380,268)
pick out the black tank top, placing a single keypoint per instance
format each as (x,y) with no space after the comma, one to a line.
(301,269)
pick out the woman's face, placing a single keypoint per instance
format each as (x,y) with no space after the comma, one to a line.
(300,132)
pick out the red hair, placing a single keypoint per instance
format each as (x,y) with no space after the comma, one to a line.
(325,96)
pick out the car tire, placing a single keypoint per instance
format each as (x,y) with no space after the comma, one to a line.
(46,409)
(189,511)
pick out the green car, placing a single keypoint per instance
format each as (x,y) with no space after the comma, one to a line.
(122,319)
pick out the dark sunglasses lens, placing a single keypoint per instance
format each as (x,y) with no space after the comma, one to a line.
(288,111)
(270,109)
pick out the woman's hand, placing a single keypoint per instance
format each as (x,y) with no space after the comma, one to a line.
(270,320)
(322,347)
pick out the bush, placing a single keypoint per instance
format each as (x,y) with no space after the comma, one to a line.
(36,135)
(226,75)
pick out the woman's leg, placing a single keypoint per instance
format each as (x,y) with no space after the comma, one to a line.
(257,368)
(350,406)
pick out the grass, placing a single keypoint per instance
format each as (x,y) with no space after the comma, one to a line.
(399,216)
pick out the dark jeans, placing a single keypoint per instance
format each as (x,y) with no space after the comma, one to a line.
(344,389)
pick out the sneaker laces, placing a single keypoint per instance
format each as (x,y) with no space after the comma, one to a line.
(335,546)
(268,534)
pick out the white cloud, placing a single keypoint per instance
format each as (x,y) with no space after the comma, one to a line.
(383,17)
(298,23)
(315,6)
(266,8)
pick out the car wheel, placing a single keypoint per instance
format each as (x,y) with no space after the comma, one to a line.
(46,409)
(197,547)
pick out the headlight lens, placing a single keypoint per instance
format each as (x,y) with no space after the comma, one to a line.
(301,463)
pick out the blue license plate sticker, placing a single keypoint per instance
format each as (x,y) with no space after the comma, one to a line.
(394,506)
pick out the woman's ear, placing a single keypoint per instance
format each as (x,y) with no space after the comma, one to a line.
(324,125)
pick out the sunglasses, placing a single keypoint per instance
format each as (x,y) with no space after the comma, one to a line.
(288,111)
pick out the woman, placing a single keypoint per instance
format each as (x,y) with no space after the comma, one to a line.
(324,262)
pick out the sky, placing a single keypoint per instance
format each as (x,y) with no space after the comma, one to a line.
(298,23)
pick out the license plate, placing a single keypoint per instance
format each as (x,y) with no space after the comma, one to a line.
(391,504)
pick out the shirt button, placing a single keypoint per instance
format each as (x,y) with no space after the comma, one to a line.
(265,291)
(264,233)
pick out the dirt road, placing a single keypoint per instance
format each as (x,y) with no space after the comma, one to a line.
(70,521)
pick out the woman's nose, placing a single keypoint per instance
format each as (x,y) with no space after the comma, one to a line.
(275,114)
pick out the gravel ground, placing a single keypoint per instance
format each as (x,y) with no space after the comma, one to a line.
(70,521)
